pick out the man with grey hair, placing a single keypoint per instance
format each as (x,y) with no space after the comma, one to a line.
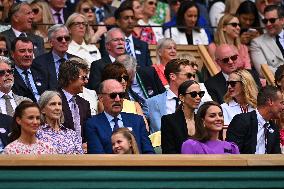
(114,44)
(8,99)
(21,17)
(58,37)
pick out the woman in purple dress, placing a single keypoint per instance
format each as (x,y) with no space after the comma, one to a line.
(209,122)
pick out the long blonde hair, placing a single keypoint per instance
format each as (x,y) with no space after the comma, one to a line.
(130,137)
(249,88)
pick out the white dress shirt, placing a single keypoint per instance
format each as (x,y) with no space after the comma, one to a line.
(260,142)
(2,102)
(171,102)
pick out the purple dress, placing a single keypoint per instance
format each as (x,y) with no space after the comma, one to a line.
(191,146)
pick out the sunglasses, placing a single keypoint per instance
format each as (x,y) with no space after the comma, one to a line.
(271,20)
(66,38)
(86,10)
(234,24)
(79,24)
(152,3)
(232,83)
(3,72)
(35,11)
(226,60)
(194,94)
(125,78)
(84,77)
(114,95)
(1,8)
(193,64)
(4,51)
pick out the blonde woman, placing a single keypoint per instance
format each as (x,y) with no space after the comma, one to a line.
(241,95)
(228,32)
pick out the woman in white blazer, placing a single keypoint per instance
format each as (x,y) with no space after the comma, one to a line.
(188,33)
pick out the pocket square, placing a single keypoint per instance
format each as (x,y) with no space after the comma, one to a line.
(137,52)
(2,130)
(129,128)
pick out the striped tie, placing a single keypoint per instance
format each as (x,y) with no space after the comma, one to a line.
(128,48)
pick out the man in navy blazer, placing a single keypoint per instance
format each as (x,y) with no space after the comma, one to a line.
(99,128)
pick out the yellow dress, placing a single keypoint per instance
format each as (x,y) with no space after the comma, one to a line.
(129,106)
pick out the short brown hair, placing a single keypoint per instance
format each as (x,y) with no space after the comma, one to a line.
(174,67)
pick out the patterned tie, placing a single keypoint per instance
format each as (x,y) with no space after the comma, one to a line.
(27,80)
(115,120)
(265,126)
(9,108)
(128,48)
(100,13)
(59,20)
(76,116)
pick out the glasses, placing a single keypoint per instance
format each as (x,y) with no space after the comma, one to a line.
(86,10)
(234,24)
(3,72)
(124,77)
(193,64)
(271,20)
(79,24)
(194,94)
(35,11)
(60,38)
(232,83)
(189,75)
(114,95)
(4,51)
(152,3)
(117,40)
(84,77)
(233,58)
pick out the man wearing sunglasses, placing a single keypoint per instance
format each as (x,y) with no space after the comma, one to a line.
(269,47)
(99,128)
(21,17)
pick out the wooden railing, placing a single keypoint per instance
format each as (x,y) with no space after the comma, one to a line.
(268,74)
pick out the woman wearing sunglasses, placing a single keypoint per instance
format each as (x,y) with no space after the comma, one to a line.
(209,122)
(177,127)
(241,95)
(118,72)
(228,32)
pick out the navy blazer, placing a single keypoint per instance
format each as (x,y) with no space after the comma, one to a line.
(5,126)
(46,63)
(243,132)
(20,87)
(142,52)
(37,41)
(98,133)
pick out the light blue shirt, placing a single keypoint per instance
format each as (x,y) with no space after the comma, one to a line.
(111,121)
(56,59)
(136,88)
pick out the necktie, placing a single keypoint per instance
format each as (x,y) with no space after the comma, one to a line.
(57,65)
(265,126)
(27,80)
(22,35)
(177,101)
(76,116)
(115,120)
(59,20)
(100,14)
(9,108)
(128,48)
(279,44)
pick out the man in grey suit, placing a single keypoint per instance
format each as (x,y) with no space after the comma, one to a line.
(21,17)
(8,100)
(269,47)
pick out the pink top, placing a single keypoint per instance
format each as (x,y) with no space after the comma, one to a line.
(243,60)
(160,68)
(38,148)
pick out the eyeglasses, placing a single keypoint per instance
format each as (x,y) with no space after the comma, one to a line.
(114,95)
(3,72)
(79,24)
(152,3)
(117,40)
(60,38)
(124,77)
(271,20)
(4,51)
(35,10)
(189,75)
(234,24)
(233,58)
(84,77)
(194,94)
(232,83)
(86,10)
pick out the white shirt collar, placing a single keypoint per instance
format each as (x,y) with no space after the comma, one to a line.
(261,120)
(10,93)
(68,95)
(226,76)
(111,58)
(170,94)
(54,11)
(110,117)
(17,33)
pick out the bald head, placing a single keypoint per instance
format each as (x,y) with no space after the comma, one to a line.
(226,57)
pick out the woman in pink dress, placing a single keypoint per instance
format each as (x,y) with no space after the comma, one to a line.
(26,122)
(209,122)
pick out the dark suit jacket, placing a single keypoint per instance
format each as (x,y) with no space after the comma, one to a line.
(20,87)
(142,53)
(173,132)
(243,132)
(37,41)
(6,122)
(98,133)
(84,111)
(46,63)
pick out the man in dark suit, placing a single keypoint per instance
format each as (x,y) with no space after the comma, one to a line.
(255,132)
(125,20)
(59,12)
(28,82)
(226,58)
(49,63)
(104,12)
(6,122)
(21,17)
(114,42)
(100,127)
(72,77)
